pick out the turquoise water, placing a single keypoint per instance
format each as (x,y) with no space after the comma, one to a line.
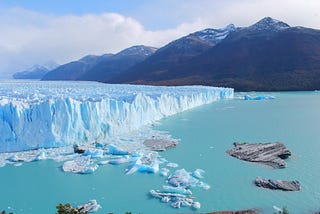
(206,133)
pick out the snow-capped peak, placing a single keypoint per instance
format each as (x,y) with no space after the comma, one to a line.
(214,36)
(138,50)
(269,23)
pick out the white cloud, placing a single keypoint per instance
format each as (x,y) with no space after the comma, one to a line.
(29,38)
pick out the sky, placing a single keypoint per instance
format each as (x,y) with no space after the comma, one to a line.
(38,31)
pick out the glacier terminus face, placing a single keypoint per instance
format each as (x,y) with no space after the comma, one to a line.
(54,114)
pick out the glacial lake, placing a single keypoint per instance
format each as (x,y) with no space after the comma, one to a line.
(206,133)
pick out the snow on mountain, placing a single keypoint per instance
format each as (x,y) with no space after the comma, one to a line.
(138,50)
(214,36)
(267,24)
(53,114)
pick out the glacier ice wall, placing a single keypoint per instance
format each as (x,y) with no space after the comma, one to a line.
(53,114)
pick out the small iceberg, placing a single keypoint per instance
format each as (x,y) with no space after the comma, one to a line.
(81,165)
(182,178)
(261,97)
(90,207)
(164,172)
(198,173)
(113,150)
(172,165)
(94,153)
(179,190)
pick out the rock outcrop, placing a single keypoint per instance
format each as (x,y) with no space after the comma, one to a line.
(278,184)
(272,154)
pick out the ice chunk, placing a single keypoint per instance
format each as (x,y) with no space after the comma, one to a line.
(148,163)
(54,114)
(119,160)
(182,178)
(15,158)
(173,165)
(94,153)
(81,165)
(41,156)
(113,150)
(261,97)
(164,172)
(196,205)
(198,173)
(178,190)
(91,207)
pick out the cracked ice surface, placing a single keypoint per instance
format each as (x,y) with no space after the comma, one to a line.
(54,114)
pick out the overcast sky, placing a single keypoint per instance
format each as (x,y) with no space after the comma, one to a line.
(37,31)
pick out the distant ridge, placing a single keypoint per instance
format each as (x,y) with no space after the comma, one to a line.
(100,68)
(36,71)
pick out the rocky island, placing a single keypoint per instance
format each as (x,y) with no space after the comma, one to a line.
(271,154)
(277,184)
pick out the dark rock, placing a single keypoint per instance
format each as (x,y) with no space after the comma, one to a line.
(271,154)
(160,144)
(278,184)
(251,211)
(78,149)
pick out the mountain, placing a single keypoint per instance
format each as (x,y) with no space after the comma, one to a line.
(269,55)
(115,65)
(175,53)
(100,68)
(36,71)
(74,70)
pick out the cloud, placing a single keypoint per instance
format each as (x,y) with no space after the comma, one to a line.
(29,37)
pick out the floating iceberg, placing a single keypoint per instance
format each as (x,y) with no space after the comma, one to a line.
(198,173)
(179,193)
(164,172)
(81,165)
(91,207)
(182,178)
(261,97)
(54,114)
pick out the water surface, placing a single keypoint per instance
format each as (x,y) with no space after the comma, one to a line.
(206,133)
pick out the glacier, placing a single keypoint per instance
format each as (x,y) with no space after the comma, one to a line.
(86,125)
(37,114)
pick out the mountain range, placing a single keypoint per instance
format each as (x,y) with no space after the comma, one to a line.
(269,55)
(101,68)
(36,71)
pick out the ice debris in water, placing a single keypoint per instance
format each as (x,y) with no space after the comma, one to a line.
(173,165)
(182,178)
(94,153)
(82,165)
(179,193)
(164,172)
(261,97)
(198,173)
(91,207)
